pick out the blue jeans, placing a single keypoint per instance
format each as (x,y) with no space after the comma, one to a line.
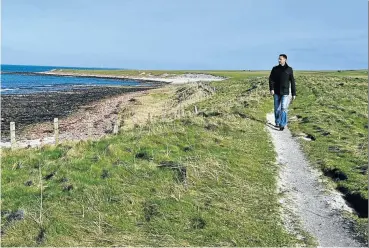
(280,109)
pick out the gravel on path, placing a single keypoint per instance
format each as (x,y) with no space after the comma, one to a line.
(318,208)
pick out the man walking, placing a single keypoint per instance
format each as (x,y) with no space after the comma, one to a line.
(280,79)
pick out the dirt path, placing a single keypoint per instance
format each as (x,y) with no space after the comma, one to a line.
(306,200)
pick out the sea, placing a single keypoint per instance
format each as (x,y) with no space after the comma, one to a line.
(18,83)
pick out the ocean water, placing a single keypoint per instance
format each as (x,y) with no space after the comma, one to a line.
(28,84)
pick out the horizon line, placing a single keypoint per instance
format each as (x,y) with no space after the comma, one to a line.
(116,68)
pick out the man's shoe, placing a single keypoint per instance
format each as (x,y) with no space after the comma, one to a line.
(281,128)
(277,125)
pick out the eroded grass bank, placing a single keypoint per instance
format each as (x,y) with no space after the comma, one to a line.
(199,180)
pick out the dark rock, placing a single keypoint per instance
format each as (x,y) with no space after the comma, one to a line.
(64,180)
(41,236)
(28,183)
(305,120)
(5,212)
(210,114)
(49,176)
(68,187)
(326,133)
(242,115)
(143,155)
(250,89)
(105,174)
(187,148)
(18,215)
(310,136)
(198,223)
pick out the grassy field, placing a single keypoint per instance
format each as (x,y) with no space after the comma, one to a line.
(201,180)
(233,74)
(333,111)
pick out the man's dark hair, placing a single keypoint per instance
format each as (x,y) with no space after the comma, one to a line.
(283,55)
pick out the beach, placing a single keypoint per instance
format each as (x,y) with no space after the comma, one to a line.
(144,77)
(33,114)
(75,108)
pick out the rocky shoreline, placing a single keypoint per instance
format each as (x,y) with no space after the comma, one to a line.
(29,109)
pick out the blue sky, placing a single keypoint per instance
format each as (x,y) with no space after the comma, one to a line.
(186,34)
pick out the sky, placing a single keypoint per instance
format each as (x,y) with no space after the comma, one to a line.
(186,34)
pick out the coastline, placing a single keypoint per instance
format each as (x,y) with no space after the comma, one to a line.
(33,114)
(165,78)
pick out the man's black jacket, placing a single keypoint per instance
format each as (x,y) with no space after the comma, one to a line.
(280,78)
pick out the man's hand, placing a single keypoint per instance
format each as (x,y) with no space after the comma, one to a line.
(272,92)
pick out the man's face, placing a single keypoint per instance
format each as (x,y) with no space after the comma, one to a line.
(282,60)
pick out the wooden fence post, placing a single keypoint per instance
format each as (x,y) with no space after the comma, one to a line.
(56,130)
(116,127)
(12,135)
(89,126)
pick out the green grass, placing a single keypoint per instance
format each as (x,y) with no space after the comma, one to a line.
(229,73)
(334,110)
(229,197)
(147,73)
